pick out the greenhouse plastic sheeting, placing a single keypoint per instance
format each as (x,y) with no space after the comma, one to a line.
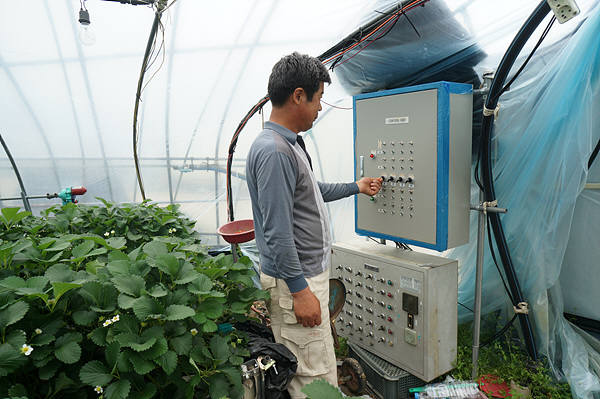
(543,139)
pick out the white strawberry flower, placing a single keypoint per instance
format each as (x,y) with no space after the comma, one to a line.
(38,331)
(193,331)
(98,389)
(107,323)
(112,232)
(115,319)
(106,234)
(26,349)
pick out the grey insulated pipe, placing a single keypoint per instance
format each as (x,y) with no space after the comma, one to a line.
(14,166)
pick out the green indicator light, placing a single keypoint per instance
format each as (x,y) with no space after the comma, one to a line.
(389,282)
(372,199)
(390,307)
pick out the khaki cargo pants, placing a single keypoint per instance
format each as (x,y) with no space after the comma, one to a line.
(312,346)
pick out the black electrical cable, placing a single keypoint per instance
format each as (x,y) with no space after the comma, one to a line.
(507,62)
(496,262)
(499,333)
(466,307)
(26,204)
(138,96)
(539,42)
(594,154)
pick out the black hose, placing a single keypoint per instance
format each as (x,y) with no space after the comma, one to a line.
(138,95)
(486,165)
(594,154)
(14,166)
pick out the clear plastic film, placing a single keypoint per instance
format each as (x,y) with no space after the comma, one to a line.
(543,138)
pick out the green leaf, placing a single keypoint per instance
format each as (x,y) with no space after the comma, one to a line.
(321,389)
(182,344)
(186,274)
(61,288)
(239,307)
(199,318)
(60,272)
(95,373)
(202,285)
(167,263)
(168,362)
(179,312)
(126,301)
(48,371)
(117,242)
(68,353)
(16,338)
(17,391)
(82,249)
(67,349)
(219,348)
(141,365)
(155,248)
(103,296)
(13,283)
(10,359)
(42,339)
(119,267)
(98,336)
(209,327)
(84,317)
(111,353)
(135,342)
(59,246)
(13,313)
(236,360)
(211,307)
(159,348)
(118,390)
(62,381)
(148,392)
(145,307)
(158,291)
(218,386)
(131,285)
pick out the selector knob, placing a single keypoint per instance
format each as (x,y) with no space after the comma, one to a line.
(358,284)
(381,303)
(349,313)
(410,179)
(369,310)
(348,279)
(381,339)
(349,324)
(391,178)
(400,179)
(381,280)
(370,334)
(349,292)
(358,295)
(381,328)
(360,329)
(370,322)
(348,301)
(339,267)
(348,269)
(359,273)
(358,305)
(382,292)
(369,276)
(382,316)
(359,317)
(370,287)
(369,298)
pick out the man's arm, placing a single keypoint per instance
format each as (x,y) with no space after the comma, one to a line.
(335,191)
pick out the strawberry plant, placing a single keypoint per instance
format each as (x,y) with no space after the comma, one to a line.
(118,302)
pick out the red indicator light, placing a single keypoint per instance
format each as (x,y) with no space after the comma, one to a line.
(372,155)
(389,319)
(389,294)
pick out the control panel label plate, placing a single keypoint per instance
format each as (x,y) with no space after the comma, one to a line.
(396,120)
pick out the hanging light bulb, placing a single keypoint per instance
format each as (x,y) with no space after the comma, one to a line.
(86,34)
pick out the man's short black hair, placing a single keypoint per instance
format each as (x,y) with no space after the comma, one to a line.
(293,71)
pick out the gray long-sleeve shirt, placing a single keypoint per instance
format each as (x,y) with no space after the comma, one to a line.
(290,218)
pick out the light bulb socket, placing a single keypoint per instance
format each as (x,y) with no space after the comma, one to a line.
(84,17)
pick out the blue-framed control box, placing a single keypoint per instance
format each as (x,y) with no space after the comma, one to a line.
(418,139)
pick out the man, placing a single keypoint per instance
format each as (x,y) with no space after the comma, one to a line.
(291,222)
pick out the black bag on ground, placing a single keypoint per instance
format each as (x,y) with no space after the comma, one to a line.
(260,343)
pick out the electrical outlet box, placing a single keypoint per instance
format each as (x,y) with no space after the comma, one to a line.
(564,10)
(400,305)
(418,139)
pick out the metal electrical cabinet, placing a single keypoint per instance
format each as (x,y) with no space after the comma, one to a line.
(419,140)
(400,305)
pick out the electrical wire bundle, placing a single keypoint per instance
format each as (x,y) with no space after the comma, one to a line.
(150,56)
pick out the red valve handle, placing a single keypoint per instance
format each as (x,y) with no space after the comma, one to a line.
(78,190)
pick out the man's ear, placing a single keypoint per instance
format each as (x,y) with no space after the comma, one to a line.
(298,95)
